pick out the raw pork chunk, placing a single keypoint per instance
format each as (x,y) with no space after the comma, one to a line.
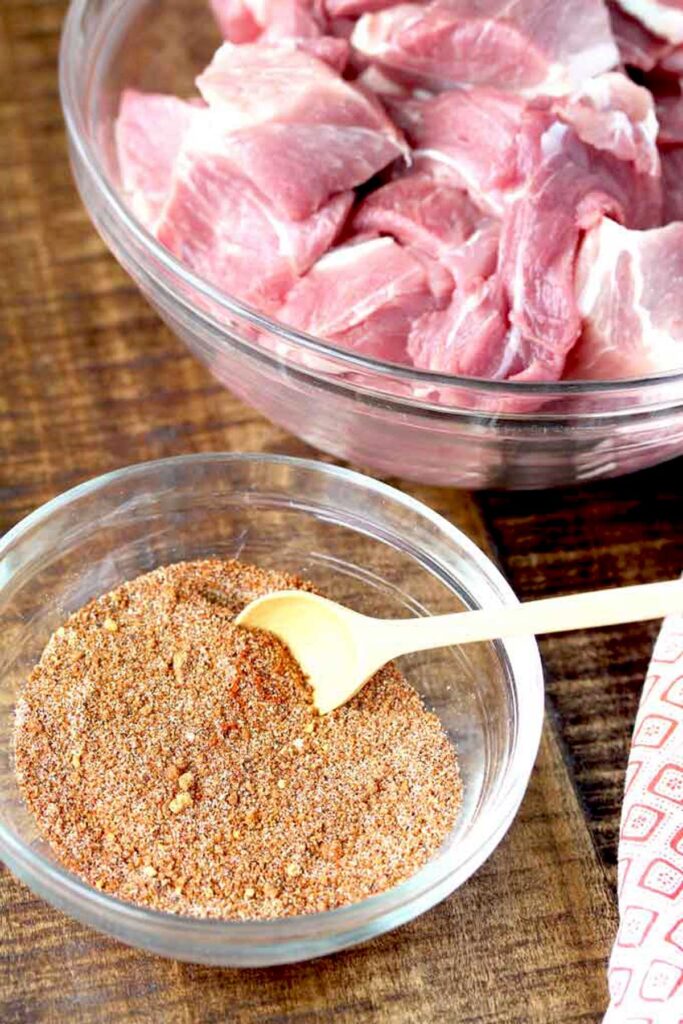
(466,339)
(440,225)
(246,21)
(251,21)
(672,173)
(663,17)
(534,47)
(224,228)
(479,138)
(613,114)
(363,297)
(273,21)
(288,123)
(469,138)
(521,323)
(259,83)
(630,293)
(574,186)
(421,213)
(300,166)
(149,133)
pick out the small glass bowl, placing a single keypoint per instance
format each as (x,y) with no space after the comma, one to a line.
(364,544)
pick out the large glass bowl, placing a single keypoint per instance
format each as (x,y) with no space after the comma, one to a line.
(397,420)
(364,544)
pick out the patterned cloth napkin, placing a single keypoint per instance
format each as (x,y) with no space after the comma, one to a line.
(646,966)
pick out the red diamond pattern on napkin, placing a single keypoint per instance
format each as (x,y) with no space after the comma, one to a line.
(664,878)
(654,731)
(636,922)
(661,981)
(669,648)
(619,982)
(646,966)
(668,783)
(675,936)
(640,823)
(674,695)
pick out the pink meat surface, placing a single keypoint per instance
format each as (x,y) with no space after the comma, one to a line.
(466,339)
(529,46)
(435,221)
(364,297)
(663,17)
(255,84)
(630,293)
(354,8)
(246,21)
(288,123)
(672,174)
(470,138)
(463,338)
(479,139)
(672,62)
(236,20)
(420,212)
(149,132)
(519,239)
(475,261)
(221,226)
(638,47)
(612,113)
(670,116)
(374,79)
(522,321)
(299,166)
(439,279)
(330,49)
(341,27)
(574,186)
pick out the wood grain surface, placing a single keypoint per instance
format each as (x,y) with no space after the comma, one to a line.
(90,381)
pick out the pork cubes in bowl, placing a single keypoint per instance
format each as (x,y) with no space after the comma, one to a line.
(509,143)
(388,219)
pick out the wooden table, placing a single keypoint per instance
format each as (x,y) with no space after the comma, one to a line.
(91,380)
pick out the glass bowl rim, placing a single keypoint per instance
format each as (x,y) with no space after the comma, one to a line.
(150,247)
(415,889)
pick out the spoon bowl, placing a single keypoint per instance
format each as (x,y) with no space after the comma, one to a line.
(322,636)
(339,650)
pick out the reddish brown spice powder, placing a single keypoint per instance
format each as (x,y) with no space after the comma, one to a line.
(175,760)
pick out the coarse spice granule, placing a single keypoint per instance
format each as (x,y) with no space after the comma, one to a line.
(175,760)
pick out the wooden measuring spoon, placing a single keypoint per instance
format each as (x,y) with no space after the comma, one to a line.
(339,649)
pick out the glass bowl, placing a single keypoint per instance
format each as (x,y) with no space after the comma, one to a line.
(397,420)
(365,544)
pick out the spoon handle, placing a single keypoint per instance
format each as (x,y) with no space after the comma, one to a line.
(550,615)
